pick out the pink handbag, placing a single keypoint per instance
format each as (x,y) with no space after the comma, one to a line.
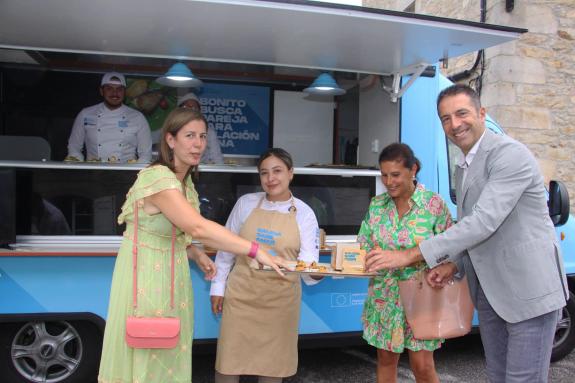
(151,332)
(435,313)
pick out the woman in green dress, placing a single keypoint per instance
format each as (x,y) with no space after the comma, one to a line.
(400,218)
(166,203)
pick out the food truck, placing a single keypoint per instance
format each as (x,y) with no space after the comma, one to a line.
(58,230)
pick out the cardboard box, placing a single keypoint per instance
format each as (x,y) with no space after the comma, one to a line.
(348,257)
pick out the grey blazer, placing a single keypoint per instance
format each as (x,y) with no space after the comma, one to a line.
(504,238)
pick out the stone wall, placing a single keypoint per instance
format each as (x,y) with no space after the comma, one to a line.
(528,84)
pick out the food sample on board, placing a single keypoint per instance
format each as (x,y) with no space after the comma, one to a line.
(314,266)
(300,266)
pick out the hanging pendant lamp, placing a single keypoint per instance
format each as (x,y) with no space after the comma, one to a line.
(325,85)
(180,76)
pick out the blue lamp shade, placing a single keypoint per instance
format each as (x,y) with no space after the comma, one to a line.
(325,85)
(180,76)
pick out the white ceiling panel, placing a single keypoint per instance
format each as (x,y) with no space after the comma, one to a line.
(295,34)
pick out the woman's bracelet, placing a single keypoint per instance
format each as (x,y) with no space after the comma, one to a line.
(254,249)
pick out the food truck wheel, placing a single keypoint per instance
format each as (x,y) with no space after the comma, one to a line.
(51,352)
(564,341)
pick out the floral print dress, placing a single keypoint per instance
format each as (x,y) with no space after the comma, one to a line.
(384,323)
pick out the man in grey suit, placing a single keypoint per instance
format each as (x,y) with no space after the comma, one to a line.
(504,241)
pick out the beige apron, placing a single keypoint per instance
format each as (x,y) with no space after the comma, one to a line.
(259,328)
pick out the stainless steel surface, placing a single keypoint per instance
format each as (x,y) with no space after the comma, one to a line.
(203,168)
(101,243)
(67,244)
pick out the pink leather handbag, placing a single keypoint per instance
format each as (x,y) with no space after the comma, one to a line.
(148,332)
(435,313)
(151,332)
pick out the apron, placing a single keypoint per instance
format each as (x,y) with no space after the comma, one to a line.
(259,328)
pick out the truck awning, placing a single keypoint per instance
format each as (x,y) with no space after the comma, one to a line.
(298,34)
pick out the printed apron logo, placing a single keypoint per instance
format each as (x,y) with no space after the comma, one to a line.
(267,237)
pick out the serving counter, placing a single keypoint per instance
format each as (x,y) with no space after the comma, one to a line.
(73,207)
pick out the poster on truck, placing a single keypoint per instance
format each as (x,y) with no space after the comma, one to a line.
(240,115)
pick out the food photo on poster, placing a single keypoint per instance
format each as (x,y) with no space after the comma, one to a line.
(239,114)
(155,101)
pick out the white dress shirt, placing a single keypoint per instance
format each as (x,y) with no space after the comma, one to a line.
(122,133)
(307,225)
(465,161)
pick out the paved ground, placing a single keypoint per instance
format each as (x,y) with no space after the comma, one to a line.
(459,360)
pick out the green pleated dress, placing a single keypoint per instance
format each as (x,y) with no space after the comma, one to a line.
(120,363)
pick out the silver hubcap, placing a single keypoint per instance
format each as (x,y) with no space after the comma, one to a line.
(563,328)
(46,351)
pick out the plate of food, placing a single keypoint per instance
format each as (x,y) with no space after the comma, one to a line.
(324,269)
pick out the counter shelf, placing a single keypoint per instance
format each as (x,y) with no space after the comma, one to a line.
(56,201)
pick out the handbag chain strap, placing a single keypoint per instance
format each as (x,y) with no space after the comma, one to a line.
(135,261)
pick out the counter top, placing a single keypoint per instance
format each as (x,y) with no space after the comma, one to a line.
(344,171)
(83,250)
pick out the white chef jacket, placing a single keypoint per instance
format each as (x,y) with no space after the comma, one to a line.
(306,222)
(122,133)
(213,153)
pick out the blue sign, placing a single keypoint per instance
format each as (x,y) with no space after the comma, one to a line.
(240,115)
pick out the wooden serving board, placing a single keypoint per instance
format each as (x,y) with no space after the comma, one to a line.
(327,272)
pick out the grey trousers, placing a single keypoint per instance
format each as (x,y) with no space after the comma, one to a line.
(516,352)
